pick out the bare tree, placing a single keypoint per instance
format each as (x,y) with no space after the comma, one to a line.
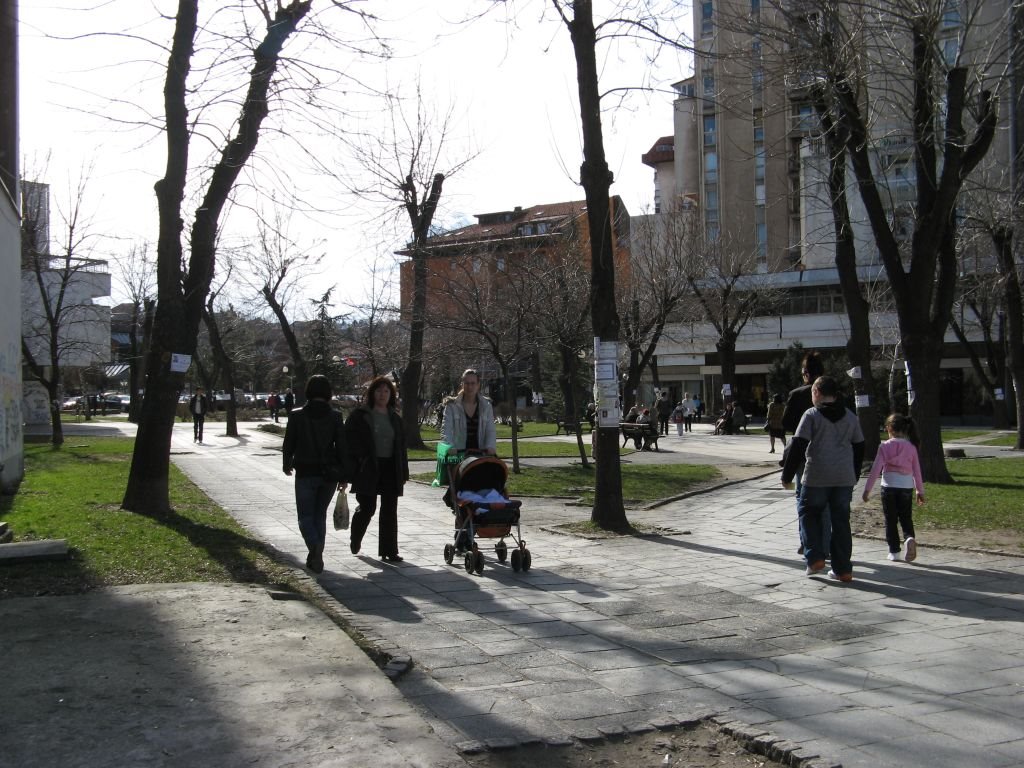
(881,71)
(653,289)
(138,279)
(492,310)
(61,325)
(281,268)
(562,281)
(182,292)
(596,178)
(407,170)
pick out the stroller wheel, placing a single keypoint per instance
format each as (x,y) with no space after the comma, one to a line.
(517,559)
(467,562)
(478,562)
(449,553)
(501,550)
(527,559)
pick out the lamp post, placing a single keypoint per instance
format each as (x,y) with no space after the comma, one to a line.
(284,370)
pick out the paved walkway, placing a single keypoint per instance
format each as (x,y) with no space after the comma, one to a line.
(909,665)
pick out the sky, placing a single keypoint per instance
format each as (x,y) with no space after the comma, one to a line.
(508,78)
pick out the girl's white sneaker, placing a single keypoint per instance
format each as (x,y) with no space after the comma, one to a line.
(910,549)
(896,556)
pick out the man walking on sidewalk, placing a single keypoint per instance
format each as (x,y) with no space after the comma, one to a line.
(198,405)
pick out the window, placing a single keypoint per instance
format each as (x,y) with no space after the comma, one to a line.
(711,197)
(951,14)
(759,162)
(804,119)
(755,7)
(706,17)
(760,231)
(709,84)
(710,137)
(501,263)
(950,49)
(710,167)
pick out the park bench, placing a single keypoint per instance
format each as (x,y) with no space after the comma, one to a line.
(646,431)
(570,427)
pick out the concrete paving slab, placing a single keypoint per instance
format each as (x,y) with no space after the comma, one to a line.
(736,562)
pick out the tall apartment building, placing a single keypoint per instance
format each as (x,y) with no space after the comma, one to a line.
(748,156)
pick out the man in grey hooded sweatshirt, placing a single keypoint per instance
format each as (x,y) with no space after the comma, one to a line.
(830,440)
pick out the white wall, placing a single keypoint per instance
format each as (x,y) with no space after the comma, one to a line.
(11,435)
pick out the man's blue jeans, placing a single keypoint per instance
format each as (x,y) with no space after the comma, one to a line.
(312,497)
(826,522)
(815,504)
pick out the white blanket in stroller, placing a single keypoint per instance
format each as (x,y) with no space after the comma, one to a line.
(482,499)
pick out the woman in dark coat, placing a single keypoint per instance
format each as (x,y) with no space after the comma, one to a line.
(376,445)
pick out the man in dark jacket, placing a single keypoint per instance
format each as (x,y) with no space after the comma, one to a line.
(797,404)
(198,406)
(314,440)
(829,444)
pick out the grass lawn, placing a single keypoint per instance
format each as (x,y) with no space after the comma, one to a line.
(987,495)
(1003,441)
(75,493)
(639,484)
(953,435)
(528,449)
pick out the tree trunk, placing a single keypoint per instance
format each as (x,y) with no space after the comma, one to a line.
(567,383)
(924,354)
(56,426)
(596,179)
(420,217)
(180,302)
(858,346)
(412,374)
(513,419)
(1003,240)
(726,346)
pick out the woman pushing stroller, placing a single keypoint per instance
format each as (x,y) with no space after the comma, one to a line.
(469,419)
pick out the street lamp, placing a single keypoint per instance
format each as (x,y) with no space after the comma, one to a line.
(284,370)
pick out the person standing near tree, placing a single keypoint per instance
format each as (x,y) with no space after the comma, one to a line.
(314,438)
(830,445)
(198,406)
(377,448)
(289,400)
(663,407)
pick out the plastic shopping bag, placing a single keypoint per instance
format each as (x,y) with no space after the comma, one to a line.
(341,511)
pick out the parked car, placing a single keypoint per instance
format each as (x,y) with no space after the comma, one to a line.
(125,400)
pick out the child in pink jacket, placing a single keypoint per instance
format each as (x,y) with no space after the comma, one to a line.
(898,464)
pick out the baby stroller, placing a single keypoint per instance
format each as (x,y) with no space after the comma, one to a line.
(482,510)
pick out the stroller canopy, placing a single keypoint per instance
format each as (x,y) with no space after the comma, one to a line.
(477,473)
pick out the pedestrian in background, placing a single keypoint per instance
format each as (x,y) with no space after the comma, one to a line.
(689,411)
(773,422)
(900,468)
(313,440)
(289,400)
(274,404)
(830,445)
(663,408)
(380,463)
(198,406)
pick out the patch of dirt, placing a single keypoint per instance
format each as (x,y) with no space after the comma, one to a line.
(867,521)
(702,746)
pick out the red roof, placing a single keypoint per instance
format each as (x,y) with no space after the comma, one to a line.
(663,151)
(535,221)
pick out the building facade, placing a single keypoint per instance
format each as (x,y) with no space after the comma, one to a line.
(748,155)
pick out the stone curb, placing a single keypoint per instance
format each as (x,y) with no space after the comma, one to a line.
(753,739)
